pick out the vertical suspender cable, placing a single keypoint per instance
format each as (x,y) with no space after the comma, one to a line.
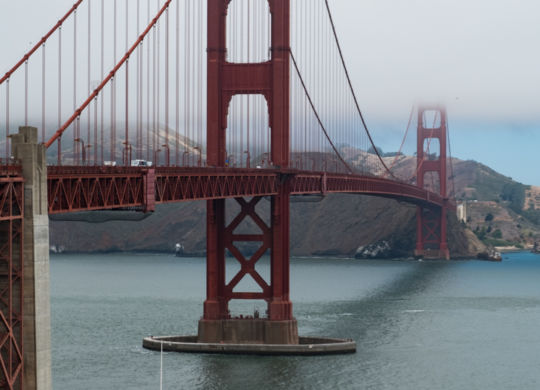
(304,47)
(102,76)
(316,76)
(195,69)
(252,99)
(148,155)
(26,92)
(323,75)
(269,26)
(158,85)
(189,80)
(89,77)
(111,158)
(199,78)
(43,94)
(316,54)
(242,97)
(231,54)
(257,38)
(95,130)
(78,131)
(139,97)
(139,102)
(258,44)
(233,128)
(320,44)
(194,85)
(126,136)
(195,92)
(296,111)
(75,132)
(167,151)
(186,33)
(177,63)
(154,46)
(141,83)
(126,141)
(303,55)
(328,83)
(7,121)
(309,75)
(113,87)
(248,33)
(59,143)
(307,66)
(157,60)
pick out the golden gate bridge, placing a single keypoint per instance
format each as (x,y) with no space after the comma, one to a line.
(137,104)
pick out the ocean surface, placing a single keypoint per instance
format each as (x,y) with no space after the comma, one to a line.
(418,325)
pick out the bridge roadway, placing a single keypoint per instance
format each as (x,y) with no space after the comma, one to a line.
(72,189)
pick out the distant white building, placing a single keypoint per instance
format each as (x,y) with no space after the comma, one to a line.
(461,212)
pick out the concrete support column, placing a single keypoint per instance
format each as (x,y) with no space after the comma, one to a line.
(36,306)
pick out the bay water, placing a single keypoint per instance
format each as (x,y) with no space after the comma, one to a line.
(417,324)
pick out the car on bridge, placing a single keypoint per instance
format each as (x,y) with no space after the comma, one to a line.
(141,163)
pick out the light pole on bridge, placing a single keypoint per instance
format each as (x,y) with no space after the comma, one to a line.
(156,156)
(127,153)
(83,149)
(167,155)
(248,158)
(199,160)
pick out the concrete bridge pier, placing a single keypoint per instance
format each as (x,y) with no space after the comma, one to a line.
(36,296)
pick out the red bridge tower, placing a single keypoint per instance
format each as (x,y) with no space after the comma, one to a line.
(431,240)
(270,79)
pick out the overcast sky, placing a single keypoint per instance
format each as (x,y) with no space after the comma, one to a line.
(479,57)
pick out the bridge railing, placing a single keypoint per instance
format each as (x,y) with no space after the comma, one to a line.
(10,170)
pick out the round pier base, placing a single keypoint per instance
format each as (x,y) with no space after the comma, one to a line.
(306,346)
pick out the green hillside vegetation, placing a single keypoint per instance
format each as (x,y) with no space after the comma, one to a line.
(514,194)
(489,184)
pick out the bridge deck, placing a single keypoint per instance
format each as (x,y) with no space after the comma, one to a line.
(73,189)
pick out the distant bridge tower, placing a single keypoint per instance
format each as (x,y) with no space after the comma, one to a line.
(271,80)
(431,238)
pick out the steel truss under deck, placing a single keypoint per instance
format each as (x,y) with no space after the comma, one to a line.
(11,283)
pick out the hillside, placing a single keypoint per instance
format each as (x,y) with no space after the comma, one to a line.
(355,221)
(499,210)
(336,225)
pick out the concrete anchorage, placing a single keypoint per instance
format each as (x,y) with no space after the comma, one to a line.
(36,297)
